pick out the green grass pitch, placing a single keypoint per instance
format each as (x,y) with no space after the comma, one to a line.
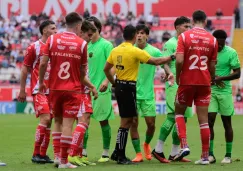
(17,137)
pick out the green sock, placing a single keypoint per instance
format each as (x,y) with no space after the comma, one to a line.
(211,147)
(86,137)
(166,128)
(175,137)
(136,145)
(106,134)
(228,149)
(148,139)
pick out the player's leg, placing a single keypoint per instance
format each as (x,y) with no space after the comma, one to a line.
(226,109)
(184,98)
(42,111)
(165,130)
(103,112)
(150,122)
(228,137)
(136,140)
(202,100)
(212,113)
(106,136)
(84,147)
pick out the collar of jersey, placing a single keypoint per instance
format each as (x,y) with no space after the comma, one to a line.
(67,32)
(198,28)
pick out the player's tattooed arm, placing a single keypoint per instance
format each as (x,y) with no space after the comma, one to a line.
(92,88)
(108,73)
(42,71)
(24,73)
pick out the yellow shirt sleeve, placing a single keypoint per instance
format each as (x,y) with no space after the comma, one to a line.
(142,55)
(110,60)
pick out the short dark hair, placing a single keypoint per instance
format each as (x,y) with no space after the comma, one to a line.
(96,21)
(143,27)
(199,16)
(44,24)
(181,20)
(72,18)
(129,32)
(86,26)
(220,34)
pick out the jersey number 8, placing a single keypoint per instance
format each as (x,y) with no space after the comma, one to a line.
(203,59)
(64,67)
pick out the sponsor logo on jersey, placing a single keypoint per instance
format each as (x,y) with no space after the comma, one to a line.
(67,43)
(60,47)
(195,41)
(72,47)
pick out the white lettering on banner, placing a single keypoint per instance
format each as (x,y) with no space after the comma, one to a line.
(70,6)
(29,109)
(111,3)
(52,5)
(6,3)
(148,5)
(99,6)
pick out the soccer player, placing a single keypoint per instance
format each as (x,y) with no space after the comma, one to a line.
(98,51)
(195,68)
(222,99)
(41,100)
(181,25)
(126,59)
(87,31)
(68,59)
(145,96)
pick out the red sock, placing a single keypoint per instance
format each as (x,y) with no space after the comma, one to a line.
(181,129)
(56,136)
(39,136)
(205,138)
(65,145)
(45,143)
(78,136)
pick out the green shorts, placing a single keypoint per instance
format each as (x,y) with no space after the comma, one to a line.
(102,107)
(170,102)
(222,104)
(146,108)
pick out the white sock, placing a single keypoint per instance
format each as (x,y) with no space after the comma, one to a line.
(159,148)
(105,152)
(84,153)
(175,149)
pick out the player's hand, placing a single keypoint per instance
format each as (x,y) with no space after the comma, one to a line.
(42,88)
(94,92)
(219,83)
(22,96)
(104,86)
(171,79)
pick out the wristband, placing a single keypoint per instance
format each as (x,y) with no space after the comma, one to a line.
(173,57)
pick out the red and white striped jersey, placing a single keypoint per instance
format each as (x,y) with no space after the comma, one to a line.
(32,59)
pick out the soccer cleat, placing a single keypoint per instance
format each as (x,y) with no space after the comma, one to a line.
(2,164)
(57,162)
(138,158)
(114,156)
(86,161)
(67,166)
(75,160)
(47,159)
(38,159)
(183,153)
(226,160)
(184,160)
(160,157)
(124,161)
(147,151)
(104,159)
(211,159)
(202,162)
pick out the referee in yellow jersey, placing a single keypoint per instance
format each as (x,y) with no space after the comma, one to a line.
(126,59)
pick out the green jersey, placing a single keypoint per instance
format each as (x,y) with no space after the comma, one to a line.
(227,60)
(98,53)
(168,49)
(145,80)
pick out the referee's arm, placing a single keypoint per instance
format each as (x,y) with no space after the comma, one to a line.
(160,60)
(108,72)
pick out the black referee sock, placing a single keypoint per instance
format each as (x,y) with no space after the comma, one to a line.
(121,141)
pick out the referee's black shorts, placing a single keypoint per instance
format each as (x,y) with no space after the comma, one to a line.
(125,92)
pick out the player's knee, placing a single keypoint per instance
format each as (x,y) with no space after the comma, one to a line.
(45,119)
(151,126)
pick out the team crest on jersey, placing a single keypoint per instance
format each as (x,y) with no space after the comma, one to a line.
(91,54)
(192,36)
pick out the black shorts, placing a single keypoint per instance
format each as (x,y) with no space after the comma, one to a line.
(126,98)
